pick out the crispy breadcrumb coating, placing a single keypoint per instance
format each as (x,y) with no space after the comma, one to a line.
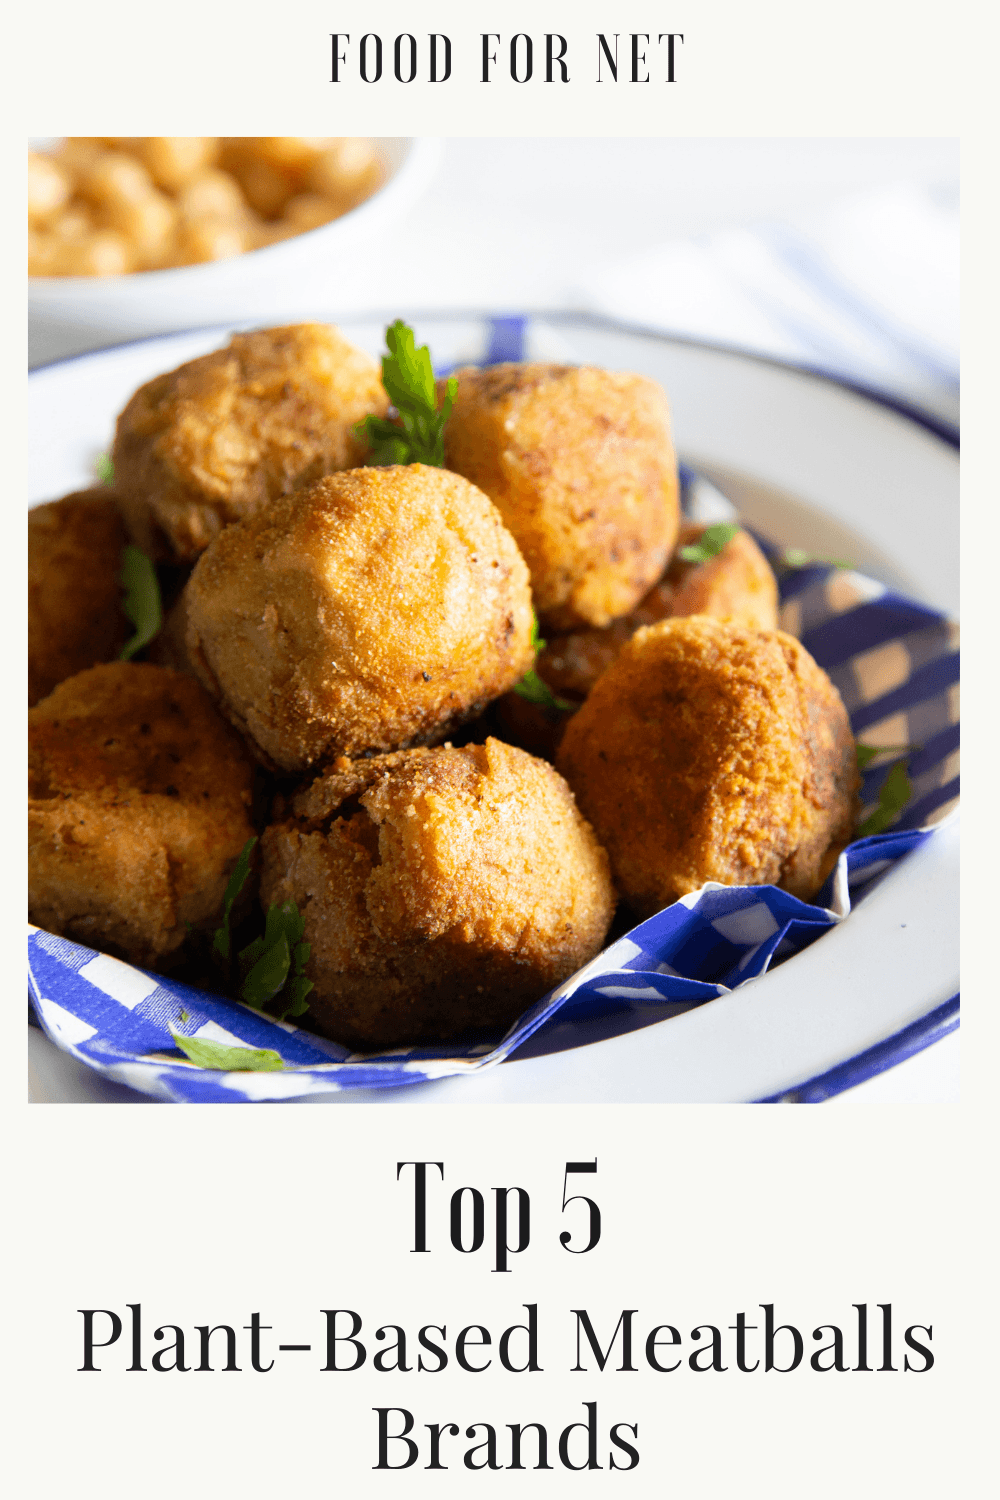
(442,890)
(709,752)
(138,807)
(736,585)
(75,618)
(373,611)
(222,436)
(581,465)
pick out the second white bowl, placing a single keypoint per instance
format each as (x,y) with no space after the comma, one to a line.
(71,314)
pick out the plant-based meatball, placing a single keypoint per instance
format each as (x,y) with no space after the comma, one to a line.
(138,807)
(442,890)
(581,466)
(374,611)
(736,585)
(222,436)
(709,752)
(74,596)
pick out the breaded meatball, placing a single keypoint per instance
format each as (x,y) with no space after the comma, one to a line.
(581,466)
(220,437)
(138,807)
(74,597)
(710,752)
(736,585)
(373,611)
(442,890)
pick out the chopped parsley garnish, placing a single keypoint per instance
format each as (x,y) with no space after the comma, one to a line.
(227,1059)
(273,965)
(711,542)
(531,685)
(867,753)
(894,793)
(416,434)
(104,468)
(141,604)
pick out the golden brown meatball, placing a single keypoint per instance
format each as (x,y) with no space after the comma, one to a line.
(373,611)
(220,437)
(709,752)
(736,585)
(441,890)
(74,597)
(581,466)
(138,807)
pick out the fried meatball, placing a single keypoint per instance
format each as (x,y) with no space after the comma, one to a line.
(220,437)
(581,466)
(74,596)
(373,611)
(737,585)
(442,890)
(138,807)
(710,752)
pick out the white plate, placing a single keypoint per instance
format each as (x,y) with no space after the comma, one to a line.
(810,464)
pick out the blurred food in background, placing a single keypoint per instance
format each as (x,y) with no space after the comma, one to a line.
(109,205)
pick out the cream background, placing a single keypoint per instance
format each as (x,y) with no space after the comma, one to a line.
(206,1215)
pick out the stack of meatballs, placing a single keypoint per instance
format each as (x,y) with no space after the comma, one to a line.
(336,674)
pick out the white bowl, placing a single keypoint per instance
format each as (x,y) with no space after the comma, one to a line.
(71,314)
(811,464)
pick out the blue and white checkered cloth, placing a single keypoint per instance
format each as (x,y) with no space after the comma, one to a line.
(896,665)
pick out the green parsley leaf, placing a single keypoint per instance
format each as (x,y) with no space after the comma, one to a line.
(531,685)
(416,436)
(250,954)
(141,604)
(535,638)
(535,690)
(388,445)
(275,963)
(268,974)
(285,922)
(218,1055)
(295,993)
(104,468)
(794,557)
(298,986)
(222,942)
(895,793)
(867,753)
(711,542)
